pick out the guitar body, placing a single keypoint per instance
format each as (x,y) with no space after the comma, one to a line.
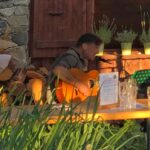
(67,92)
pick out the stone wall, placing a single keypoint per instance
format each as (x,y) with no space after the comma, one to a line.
(14,24)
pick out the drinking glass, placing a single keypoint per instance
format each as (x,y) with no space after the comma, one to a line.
(122,95)
(127,94)
(148,95)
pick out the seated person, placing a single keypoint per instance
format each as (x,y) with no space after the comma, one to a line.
(77,57)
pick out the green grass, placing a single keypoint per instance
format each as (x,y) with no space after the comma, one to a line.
(30,131)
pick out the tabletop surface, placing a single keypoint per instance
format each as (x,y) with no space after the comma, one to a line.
(110,112)
(85,111)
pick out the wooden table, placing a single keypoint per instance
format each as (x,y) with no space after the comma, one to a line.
(109,112)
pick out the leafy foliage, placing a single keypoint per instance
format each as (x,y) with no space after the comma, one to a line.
(145,36)
(145,24)
(126,36)
(29,130)
(106,29)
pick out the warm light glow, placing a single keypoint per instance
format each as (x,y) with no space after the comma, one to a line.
(147,51)
(109,115)
(69,92)
(37,88)
(3,99)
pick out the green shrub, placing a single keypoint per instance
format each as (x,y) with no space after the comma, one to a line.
(145,24)
(106,29)
(126,36)
(30,131)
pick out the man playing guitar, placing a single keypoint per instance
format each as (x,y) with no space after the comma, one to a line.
(77,57)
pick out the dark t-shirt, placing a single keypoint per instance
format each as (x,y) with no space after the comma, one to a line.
(69,59)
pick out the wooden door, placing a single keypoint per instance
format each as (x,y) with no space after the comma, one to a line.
(57,24)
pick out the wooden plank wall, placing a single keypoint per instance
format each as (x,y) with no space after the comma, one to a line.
(125,12)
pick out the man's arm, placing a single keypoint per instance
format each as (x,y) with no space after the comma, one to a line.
(64,74)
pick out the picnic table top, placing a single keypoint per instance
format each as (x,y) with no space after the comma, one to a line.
(85,111)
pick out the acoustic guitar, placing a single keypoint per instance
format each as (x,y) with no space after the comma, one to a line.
(68,92)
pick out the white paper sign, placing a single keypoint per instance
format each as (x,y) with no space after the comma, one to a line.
(108,88)
(4,61)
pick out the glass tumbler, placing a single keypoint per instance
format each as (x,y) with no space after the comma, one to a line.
(127,94)
(148,95)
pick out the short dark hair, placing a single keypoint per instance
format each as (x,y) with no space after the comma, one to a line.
(88,38)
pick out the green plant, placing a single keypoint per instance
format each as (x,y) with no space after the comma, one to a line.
(30,131)
(145,24)
(126,36)
(106,29)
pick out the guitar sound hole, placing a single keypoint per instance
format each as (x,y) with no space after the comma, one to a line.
(76,92)
(91,83)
